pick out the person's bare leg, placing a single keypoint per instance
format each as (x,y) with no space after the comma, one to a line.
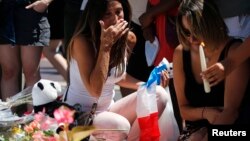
(31,57)
(56,59)
(120,123)
(10,64)
(129,103)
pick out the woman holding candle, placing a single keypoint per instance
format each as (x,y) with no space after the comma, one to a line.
(217,72)
(199,21)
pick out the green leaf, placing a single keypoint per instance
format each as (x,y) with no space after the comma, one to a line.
(48,133)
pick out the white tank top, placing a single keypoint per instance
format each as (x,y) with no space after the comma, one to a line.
(78,94)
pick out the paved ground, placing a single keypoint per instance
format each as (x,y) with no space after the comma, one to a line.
(49,72)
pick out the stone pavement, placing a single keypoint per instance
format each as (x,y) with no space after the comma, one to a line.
(49,72)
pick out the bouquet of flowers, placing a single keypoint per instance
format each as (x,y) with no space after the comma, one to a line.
(45,128)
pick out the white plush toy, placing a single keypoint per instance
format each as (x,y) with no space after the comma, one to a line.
(45,94)
(45,91)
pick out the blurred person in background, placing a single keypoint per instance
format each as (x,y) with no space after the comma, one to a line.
(24,30)
(54,53)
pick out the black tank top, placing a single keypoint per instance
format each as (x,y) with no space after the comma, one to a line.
(194,91)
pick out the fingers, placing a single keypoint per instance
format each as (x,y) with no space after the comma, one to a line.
(164,78)
(102,25)
(214,74)
(39,6)
(112,33)
(213,81)
(214,78)
(30,6)
(211,78)
(209,72)
(124,32)
(121,28)
(105,39)
(121,25)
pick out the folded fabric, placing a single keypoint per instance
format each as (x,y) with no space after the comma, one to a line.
(146,109)
(151,51)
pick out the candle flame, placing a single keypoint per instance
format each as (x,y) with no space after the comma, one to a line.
(202,44)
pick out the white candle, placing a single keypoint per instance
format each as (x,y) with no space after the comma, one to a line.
(204,67)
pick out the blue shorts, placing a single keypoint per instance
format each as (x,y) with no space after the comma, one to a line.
(23,26)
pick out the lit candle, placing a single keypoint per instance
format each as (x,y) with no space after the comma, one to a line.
(204,67)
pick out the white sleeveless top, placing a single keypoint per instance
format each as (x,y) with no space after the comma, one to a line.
(78,94)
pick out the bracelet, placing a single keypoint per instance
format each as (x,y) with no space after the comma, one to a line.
(202,113)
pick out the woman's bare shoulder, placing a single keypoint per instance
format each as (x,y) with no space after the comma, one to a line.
(79,45)
(131,39)
(178,50)
(79,40)
(234,47)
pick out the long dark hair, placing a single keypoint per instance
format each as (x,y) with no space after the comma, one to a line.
(89,26)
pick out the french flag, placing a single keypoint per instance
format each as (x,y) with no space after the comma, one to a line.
(146,109)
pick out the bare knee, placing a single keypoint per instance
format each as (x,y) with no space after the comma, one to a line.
(109,120)
(10,71)
(31,75)
(161,96)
